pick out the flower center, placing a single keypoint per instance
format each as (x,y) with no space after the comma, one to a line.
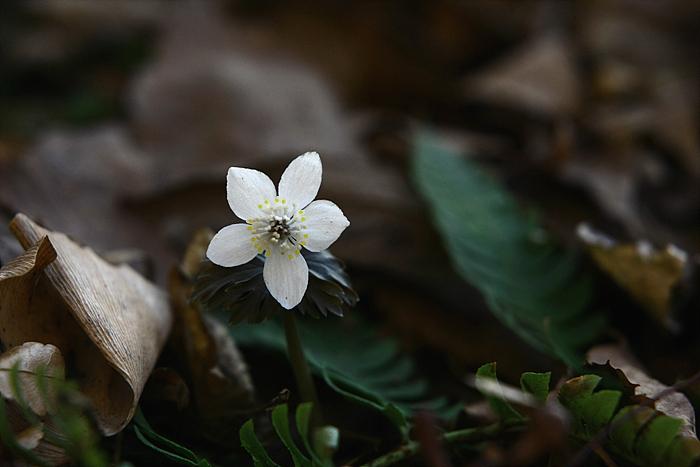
(278,229)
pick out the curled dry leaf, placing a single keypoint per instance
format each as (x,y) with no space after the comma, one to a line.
(109,320)
(673,404)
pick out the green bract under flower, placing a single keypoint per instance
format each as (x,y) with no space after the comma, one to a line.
(279,224)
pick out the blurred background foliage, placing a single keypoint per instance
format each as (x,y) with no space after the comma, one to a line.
(118,121)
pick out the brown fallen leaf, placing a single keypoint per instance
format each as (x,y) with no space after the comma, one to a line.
(108,321)
(674,404)
(32,359)
(649,276)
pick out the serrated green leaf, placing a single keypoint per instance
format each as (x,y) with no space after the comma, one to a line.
(655,438)
(529,284)
(598,409)
(251,444)
(536,384)
(498,404)
(280,421)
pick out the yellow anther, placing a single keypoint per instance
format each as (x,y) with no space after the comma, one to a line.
(301,212)
(256,246)
(296,252)
(267,202)
(259,250)
(306,235)
(267,253)
(291,257)
(303,243)
(250,228)
(277,200)
(303,219)
(260,206)
(284,201)
(252,239)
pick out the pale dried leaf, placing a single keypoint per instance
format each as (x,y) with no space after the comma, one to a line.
(33,359)
(122,322)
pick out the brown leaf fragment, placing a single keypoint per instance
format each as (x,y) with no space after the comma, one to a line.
(222,392)
(649,276)
(33,360)
(109,321)
(540,78)
(674,404)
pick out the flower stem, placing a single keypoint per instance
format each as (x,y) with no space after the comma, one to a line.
(305,383)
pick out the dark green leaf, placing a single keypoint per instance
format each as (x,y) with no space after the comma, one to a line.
(241,292)
(529,283)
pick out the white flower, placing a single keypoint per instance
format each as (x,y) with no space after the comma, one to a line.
(278,224)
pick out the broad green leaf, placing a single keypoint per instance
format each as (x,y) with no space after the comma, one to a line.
(682,452)
(528,282)
(574,395)
(655,438)
(598,409)
(281,424)
(625,428)
(536,384)
(251,444)
(498,404)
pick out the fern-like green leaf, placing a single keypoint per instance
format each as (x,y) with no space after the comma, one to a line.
(359,365)
(529,284)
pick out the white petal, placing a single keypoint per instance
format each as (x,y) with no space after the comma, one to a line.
(324,224)
(232,246)
(301,179)
(286,278)
(246,189)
